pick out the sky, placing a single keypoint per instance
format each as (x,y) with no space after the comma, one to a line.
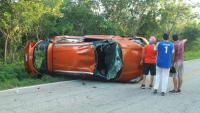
(193,2)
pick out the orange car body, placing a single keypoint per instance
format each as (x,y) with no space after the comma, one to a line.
(106,57)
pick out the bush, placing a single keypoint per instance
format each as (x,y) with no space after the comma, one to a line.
(190,55)
(15,76)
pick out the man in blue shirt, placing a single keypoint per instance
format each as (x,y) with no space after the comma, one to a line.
(165,50)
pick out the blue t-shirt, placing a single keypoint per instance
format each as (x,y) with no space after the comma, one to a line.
(164,54)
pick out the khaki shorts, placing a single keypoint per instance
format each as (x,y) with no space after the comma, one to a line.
(179,70)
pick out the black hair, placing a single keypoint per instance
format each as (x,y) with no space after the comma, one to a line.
(165,36)
(175,37)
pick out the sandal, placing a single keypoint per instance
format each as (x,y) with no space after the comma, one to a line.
(172,91)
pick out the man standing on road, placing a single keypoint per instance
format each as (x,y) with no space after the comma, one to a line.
(178,63)
(165,50)
(149,58)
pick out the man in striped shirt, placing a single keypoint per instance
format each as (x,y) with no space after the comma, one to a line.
(178,63)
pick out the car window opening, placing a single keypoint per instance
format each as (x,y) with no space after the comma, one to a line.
(40,57)
(108,60)
(138,40)
(73,39)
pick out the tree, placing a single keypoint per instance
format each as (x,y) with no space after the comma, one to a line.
(79,18)
(22,17)
(128,13)
(192,33)
(8,24)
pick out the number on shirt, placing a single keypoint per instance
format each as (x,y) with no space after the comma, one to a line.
(166,48)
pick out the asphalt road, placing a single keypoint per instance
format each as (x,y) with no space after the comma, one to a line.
(81,96)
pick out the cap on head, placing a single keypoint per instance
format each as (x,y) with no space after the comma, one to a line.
(152,39)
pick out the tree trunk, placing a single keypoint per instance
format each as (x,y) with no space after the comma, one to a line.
(5,49)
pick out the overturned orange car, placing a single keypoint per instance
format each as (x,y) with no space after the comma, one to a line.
(106,57)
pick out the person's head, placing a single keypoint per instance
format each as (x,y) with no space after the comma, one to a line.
(175,37)
(165,36)
(152,39)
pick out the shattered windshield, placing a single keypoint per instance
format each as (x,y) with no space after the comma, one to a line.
(108,60)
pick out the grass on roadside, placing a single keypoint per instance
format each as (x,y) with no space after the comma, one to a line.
(14,75)
(190,55)
(32,80)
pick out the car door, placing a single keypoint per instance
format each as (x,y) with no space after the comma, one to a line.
(74,58)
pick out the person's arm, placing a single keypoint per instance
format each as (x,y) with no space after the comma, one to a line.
(141,62)
(156,47)
(184,40)
(143,55)
(173,54)
(173,58)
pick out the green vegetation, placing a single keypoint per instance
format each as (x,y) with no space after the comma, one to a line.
(23,20)
(14,75)
(29,80)
(191,55)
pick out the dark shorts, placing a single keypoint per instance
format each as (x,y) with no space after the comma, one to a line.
(149,67)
